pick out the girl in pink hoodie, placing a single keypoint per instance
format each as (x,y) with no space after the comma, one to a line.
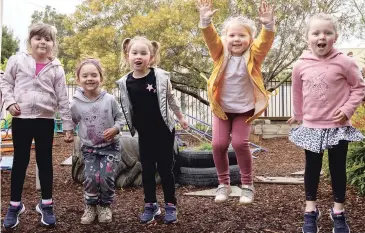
(34,88)
(327,89)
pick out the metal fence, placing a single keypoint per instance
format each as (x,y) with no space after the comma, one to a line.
(280,104)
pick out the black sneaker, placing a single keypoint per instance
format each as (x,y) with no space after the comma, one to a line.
(151,210)
(339,223)
(310,221)
(170,213)
(46,211)
(11,219)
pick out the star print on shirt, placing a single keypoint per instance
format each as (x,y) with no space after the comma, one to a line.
(149,87)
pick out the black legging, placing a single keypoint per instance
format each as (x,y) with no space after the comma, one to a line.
(23,132)
(156,153)
(337,165)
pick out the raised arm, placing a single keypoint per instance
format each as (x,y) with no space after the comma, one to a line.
(210,34)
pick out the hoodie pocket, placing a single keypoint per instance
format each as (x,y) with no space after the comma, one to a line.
(45,101)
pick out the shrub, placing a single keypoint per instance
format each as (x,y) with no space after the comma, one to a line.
(356,166)
(358,119)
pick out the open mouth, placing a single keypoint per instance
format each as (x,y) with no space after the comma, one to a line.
(321,45)
(138,63)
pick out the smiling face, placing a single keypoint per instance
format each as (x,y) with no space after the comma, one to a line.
(238,39)
(89,78)
(41,45)
(139,56)
(321,37)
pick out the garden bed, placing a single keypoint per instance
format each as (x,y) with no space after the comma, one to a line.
(277,208)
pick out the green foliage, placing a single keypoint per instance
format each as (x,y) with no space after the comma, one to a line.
(201,126)
(205,146)
(98,27)
(356,167)
(9,44)
(5,124)
(358,119)
(3,65)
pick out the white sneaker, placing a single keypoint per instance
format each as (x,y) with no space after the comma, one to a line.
(105,214)
(89,214)
(247,194)
(222,193)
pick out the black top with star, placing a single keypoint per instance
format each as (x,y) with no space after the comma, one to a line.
(143,96)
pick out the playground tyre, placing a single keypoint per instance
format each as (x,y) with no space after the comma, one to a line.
(77,169)
(201,159)
(206,176)
(127,178)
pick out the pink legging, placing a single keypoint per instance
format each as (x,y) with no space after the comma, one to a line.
(240,131)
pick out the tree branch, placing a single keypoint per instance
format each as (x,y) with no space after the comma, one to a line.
(193,94)
(279,84)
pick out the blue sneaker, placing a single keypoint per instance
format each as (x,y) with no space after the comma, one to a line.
(150,211)
(46,211)
(339,223)
(11,219)
(311,221)
(170,213)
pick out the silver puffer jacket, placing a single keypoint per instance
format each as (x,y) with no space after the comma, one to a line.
(166,99)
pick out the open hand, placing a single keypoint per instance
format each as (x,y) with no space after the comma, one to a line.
(205,10)
(266,13)
(110,133)
(14,110)
(339,117)
(69,137)
(292,121)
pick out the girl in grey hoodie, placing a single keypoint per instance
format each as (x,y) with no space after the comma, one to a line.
(100,121)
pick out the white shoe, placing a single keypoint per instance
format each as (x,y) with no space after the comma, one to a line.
(89,214)
(105,213)
(247,194)
(222,193)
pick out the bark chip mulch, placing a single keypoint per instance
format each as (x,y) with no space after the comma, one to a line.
(277,208)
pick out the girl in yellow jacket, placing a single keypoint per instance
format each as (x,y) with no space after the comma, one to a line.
(235,89)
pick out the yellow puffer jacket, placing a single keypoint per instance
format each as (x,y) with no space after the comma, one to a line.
(254,56)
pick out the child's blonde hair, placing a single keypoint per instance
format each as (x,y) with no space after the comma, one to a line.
(240,20)
(93,61)
(322,16)
(45,30)
(153,46)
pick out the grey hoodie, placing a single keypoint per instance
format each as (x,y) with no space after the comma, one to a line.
(95,116)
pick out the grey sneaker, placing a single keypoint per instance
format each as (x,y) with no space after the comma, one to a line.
(151,210)
(247,194)
(11,219)
(48,217)
(105,214)
(170,213)
(222,193)
(339,223)
(311,221)
(89,214)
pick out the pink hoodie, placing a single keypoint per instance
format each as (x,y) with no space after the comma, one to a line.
(322,86)
(38,96)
